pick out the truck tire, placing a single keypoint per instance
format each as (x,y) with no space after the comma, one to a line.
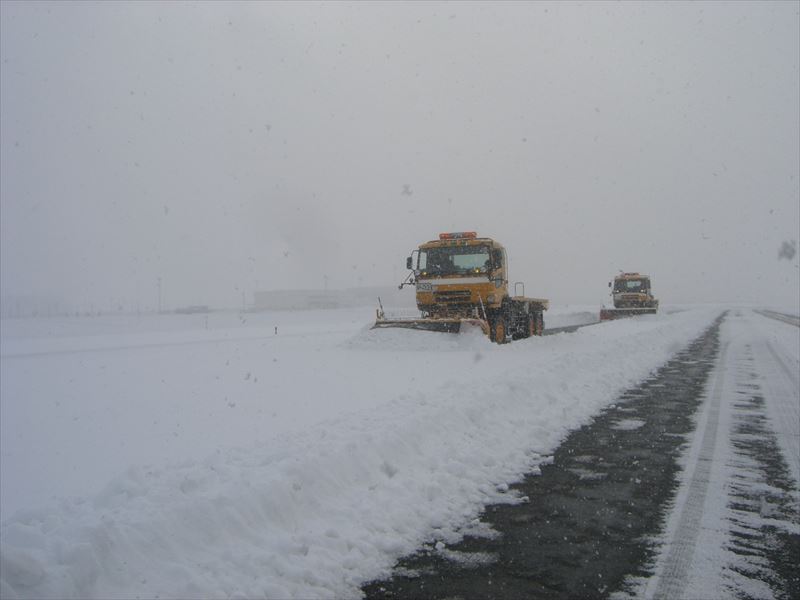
(530,325)
(498,330)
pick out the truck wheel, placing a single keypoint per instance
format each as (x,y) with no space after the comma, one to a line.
(539,324)
(499,330)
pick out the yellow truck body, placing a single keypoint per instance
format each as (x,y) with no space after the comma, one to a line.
(632,295)
(462,278)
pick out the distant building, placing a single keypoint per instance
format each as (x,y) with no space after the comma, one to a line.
(191,310)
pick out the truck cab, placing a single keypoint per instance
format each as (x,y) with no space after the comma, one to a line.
(458,272)
(632,290)
(464,278)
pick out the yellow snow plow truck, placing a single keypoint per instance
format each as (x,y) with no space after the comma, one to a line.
(632,296)
(462,279)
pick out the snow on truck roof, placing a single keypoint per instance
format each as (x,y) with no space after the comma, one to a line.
(460,238)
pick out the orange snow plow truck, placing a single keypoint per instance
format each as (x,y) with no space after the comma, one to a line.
(462,280)
(632,296)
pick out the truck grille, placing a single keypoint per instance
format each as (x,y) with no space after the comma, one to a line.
(452,297)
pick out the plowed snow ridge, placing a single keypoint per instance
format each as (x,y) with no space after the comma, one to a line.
(388,440)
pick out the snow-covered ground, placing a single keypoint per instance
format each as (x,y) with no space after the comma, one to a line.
(209,456)
(757,379)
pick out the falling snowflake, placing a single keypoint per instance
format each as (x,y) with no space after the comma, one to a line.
(787,250)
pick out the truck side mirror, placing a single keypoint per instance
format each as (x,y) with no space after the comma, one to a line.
(408,263)
(497,255)
(609,284)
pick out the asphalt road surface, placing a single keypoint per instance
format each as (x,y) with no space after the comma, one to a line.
(593,512)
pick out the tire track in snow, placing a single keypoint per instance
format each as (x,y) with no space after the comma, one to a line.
(157,345)
(673,579)
(792,377)
(785,406)
(762,494)
(790,319)
(750,511)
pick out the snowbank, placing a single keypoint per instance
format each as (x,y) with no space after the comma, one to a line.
(314,511)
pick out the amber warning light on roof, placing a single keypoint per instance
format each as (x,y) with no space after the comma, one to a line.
(458,235)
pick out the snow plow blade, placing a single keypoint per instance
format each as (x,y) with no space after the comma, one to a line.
(437,325)
(609,314)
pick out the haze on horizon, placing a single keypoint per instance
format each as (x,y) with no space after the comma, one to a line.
(225,147)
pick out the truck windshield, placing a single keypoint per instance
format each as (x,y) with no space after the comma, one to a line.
(454,260)
(632,285)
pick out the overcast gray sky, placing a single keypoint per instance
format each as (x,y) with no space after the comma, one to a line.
(228,146)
